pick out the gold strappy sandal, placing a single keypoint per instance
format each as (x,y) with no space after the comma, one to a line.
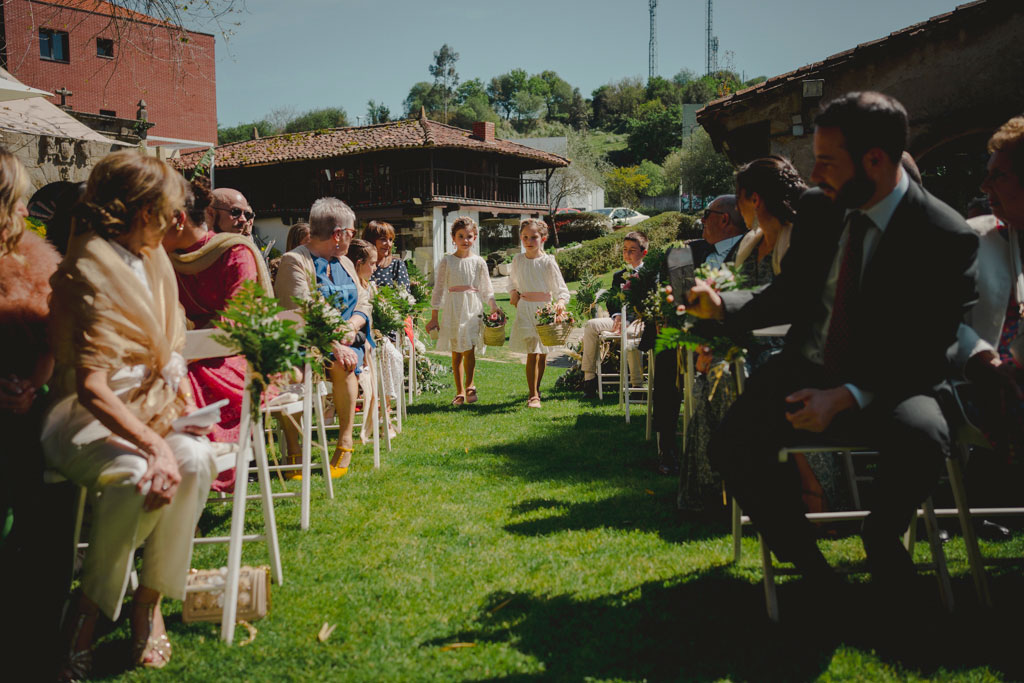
(155,651)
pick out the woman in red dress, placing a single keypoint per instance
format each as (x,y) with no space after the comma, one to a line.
(211,268)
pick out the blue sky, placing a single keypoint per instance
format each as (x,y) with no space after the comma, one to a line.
(306,54)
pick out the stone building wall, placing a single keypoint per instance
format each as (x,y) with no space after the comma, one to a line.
(49,159)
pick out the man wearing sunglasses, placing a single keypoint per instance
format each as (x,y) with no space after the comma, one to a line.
(723,227)
(230,212)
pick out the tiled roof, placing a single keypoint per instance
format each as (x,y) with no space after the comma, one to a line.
(335,142)
(107,9)
(916,31)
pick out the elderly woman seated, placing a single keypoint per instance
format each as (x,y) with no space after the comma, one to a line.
(118,332)
(331,228)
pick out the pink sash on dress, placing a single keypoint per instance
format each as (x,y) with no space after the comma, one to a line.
(536,297)
(463,288)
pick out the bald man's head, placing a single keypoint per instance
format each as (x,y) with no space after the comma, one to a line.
(230,212)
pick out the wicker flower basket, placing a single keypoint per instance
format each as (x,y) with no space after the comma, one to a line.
(553,335)
(494,336)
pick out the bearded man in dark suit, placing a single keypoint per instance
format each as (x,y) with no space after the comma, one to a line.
(875,284)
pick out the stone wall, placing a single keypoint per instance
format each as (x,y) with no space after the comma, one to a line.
(49,159)
(957,77)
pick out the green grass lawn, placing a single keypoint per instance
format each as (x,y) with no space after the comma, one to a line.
(542,544)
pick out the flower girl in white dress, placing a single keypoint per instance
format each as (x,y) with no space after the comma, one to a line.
(534,282)
(463,285)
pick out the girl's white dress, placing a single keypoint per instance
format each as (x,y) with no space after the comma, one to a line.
(461,328)
(533,275)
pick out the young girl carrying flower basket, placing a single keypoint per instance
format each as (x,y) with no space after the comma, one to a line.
(536,285)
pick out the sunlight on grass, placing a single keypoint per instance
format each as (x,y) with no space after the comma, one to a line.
(542,544)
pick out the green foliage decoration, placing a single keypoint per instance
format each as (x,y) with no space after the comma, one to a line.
(390,309)
(322,327)
(271,346)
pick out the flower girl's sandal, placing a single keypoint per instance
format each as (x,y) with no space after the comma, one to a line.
(471,395)
(458,400)
(533,402)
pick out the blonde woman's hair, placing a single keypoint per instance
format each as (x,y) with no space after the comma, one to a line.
(14,186)
(539,225)
(121,186)
(464,223)
(360,251)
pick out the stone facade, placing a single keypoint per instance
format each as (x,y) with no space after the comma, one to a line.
(958,75)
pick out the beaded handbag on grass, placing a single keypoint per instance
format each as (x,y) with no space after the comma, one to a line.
(204,594)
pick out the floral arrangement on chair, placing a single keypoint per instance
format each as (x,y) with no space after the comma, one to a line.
(681,331)
(391,306)
(323,326)
(271,346)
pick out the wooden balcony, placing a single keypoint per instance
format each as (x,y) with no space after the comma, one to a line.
(438,185)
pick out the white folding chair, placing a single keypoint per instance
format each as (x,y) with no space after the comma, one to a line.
(927,512)
(200,344)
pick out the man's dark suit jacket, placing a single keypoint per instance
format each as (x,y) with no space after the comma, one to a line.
(614,307)
(916,288)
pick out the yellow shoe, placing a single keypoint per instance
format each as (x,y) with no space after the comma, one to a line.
(293,475)
(340,461)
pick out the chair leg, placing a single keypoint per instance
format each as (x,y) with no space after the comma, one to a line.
(771,599)
(737,532)
(650,394)
(382,409)
(307,446)
(250,434)
(269,522)
(325,455)
(851,472)
(954,466)
(938,555)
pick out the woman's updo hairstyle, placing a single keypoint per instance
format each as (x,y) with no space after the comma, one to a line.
(14,185)
(776,181)
(121,186)
(540,226)
(197,199)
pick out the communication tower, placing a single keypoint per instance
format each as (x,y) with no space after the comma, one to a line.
(711,60)
(652,57)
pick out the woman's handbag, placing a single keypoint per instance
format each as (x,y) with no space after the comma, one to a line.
(204,594)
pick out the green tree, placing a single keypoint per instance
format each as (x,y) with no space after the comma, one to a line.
(528,107)
(615,102)
(318,119)
(656,175)
(654,131)
(475,108)
(445,76)
(625,185)
(503,90)
(559,96)
(701,169)
(471,88)
(422,95)
(377,113)
(669,93)
(243,131)
(579,111)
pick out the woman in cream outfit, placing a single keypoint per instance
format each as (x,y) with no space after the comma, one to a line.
(118,332)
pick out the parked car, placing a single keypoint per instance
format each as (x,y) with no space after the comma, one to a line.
(620,215)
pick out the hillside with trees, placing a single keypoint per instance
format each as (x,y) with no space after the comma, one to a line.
(627,134)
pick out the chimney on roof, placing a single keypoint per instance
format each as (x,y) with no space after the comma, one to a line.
(483,130)
(255,133)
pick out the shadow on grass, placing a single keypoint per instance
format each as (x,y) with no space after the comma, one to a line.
(630,511)
(711,626)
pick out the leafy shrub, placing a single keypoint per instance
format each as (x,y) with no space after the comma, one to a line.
(580,227)
(605,253)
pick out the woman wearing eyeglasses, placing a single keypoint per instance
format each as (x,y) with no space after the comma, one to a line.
(331,229)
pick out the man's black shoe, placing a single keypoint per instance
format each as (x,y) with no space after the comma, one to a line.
(590,388)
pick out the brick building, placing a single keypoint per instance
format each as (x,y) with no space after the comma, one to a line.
(110,58)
